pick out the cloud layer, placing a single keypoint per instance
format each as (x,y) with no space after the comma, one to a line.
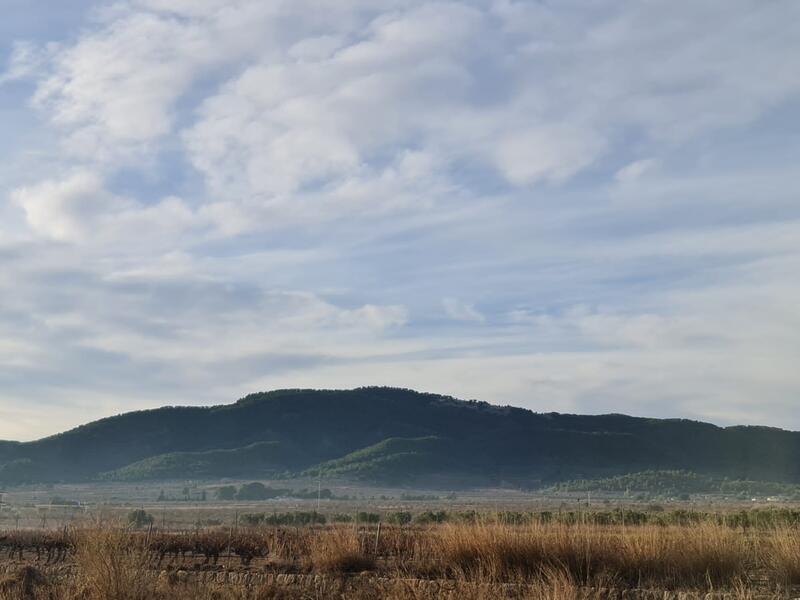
(565,206)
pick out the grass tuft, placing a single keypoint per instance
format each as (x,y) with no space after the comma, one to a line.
(340,550)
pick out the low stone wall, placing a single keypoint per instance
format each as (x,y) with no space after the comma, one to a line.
(422,589)
(323,585)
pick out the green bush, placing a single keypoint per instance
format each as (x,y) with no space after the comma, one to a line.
(342,518)
(282,519)
(428,516)
(365,517)
(400,518)
(226,492)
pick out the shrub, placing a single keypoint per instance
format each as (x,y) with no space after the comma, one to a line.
(342,518)
(365,517)
(400,518)
(226,492)
(114,565)
(253,491)
(251,519)
(275,519)
(140,518)
(428,517)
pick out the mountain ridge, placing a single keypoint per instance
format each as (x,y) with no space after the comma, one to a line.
(487,442)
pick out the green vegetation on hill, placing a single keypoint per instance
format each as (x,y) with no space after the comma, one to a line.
(263,458)
(672,483)
(393,460)
(390,434)
(21,470)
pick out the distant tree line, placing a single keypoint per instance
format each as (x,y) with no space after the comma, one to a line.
(256,491)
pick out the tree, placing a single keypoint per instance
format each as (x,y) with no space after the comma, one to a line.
(254,491)
(226,492)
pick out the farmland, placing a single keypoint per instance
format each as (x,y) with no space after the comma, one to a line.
(619,552)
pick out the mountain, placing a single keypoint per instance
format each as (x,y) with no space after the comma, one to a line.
(397,435)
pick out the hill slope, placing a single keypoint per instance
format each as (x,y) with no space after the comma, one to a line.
(393,459)
(260,459)
(671,483)
(487,442)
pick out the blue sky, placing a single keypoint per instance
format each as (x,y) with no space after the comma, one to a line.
(574,206)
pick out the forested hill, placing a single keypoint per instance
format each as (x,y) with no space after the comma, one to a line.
(396,435)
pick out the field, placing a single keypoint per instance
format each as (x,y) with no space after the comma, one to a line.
(615,553)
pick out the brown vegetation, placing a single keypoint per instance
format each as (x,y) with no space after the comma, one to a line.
(782,555)
(113,564)
(341,550)
(557,561)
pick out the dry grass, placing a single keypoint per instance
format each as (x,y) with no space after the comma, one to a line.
(712,554)
(781,552)
(340,550)
(25,584)
(113,565)
(663,557)
(551,561)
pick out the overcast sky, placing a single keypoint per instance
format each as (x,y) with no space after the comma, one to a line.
(577,206)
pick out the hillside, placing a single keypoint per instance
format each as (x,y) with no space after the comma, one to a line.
(672,483)
(260,459)
(393,459)
(396,434)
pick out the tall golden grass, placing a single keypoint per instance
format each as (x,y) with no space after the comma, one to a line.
(668,557)
(113,565)
(340,550)
(781,553)
(551,561)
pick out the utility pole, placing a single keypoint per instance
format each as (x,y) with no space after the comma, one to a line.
(319,489)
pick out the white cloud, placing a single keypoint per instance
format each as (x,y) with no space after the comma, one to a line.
(262,323)
(79,209)
(376,317)
(284,125)
(696,354)
(65,210)
(26,61)
(113,91)
(546,152)
(461,311)
(635,170)
(325,95)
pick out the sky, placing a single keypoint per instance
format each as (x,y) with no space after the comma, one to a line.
(574,206)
